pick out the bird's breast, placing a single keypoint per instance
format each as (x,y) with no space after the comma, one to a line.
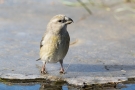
(53,48)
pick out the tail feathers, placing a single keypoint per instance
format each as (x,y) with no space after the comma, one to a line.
(38,59)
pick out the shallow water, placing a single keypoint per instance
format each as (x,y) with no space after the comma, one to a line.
(31,87)
(129,87)
(55,87)
(19,87)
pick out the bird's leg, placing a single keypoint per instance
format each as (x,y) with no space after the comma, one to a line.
(62,69)
(43,71)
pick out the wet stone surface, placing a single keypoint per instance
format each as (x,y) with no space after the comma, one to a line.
(102,49)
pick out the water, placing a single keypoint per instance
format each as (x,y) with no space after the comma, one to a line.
(55,87)
(129,87)
(19,87)
(32,87)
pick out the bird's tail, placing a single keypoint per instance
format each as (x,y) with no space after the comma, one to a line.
(38,59)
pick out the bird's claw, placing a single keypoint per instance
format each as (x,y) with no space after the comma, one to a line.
(62,72)
(43,72)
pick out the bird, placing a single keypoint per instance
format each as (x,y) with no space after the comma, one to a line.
(55,42)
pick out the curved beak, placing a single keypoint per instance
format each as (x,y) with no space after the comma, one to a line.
(68,20)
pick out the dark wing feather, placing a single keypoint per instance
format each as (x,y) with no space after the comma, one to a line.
(66,41)
(41,42)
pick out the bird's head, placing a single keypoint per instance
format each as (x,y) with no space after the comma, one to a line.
(59,22)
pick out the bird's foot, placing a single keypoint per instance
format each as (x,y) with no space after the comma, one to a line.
(43,72)
(62,71)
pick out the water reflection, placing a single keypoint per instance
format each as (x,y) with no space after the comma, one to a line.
(49,87)
(32,87)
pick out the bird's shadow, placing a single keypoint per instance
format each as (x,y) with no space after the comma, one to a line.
(97,68)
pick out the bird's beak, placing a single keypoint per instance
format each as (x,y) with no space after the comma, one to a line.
(68,20)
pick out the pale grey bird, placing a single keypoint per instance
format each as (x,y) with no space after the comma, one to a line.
(55,42)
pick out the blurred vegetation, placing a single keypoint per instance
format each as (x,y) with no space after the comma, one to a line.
(129,0)
(105,4)
(94,2)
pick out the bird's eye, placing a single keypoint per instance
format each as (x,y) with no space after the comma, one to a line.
(60,21)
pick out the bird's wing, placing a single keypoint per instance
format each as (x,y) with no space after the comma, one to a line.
(66,41)
(41,42)
(49,45)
